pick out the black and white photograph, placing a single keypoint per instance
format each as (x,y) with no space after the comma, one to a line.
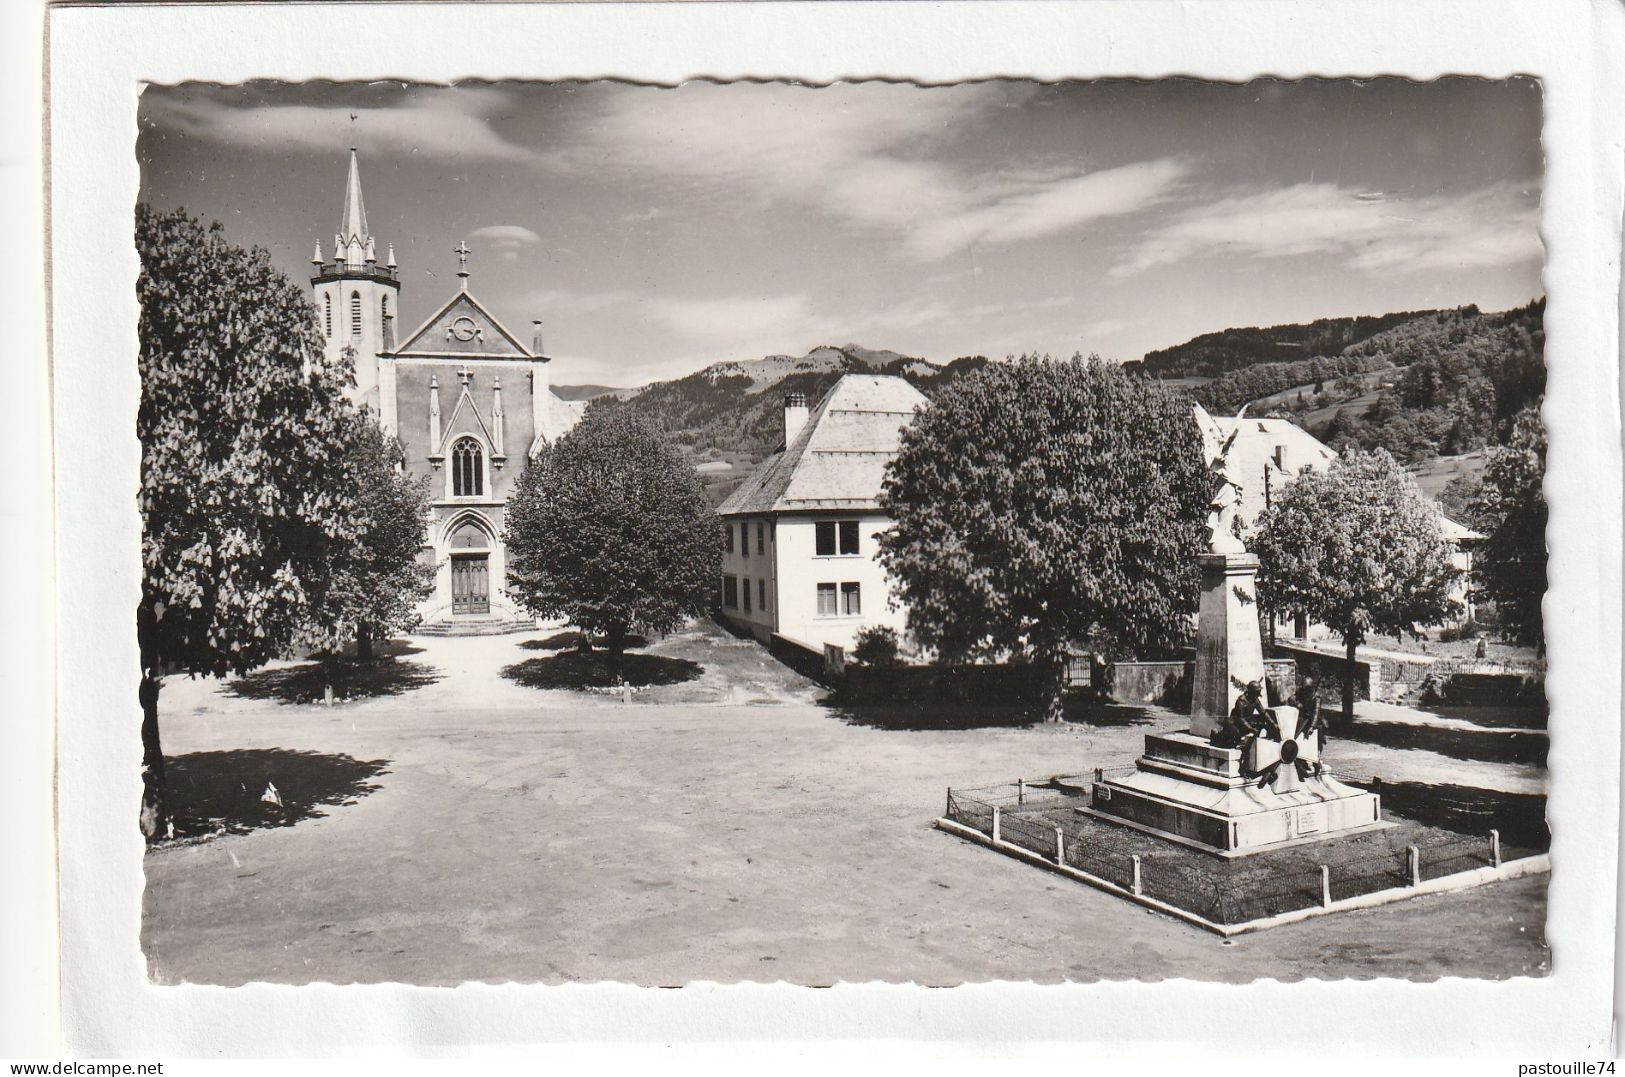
(925,530)
(844,532)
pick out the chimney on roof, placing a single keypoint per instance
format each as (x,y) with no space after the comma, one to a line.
(795,416)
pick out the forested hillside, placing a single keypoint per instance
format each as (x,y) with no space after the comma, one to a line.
(1445,383)
(1214,354)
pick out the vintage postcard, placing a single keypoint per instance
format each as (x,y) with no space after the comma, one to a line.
(832,520)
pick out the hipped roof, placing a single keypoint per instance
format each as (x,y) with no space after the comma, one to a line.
(838,458)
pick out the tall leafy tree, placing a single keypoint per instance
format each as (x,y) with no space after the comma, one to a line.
(1043,504)
(376,580)
(244,434)
(610,528)
(1359,548)
(1508,508)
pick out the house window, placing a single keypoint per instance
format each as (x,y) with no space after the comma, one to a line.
(467,469)
(826,600)
(355,314)
(832,537)
(730,588)
(744,539)
(850,606)
(747,594)
(761,594)
(327,314)
(761,537)
(728,538)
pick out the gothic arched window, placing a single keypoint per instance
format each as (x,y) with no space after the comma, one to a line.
(467,469)
(355,314)
(384,322)
(327,323)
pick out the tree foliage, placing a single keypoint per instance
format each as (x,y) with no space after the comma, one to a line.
(244,502)
(376,580)
(1040,504)
(1359,548)
(244,441)
(610,528)
(1510,564)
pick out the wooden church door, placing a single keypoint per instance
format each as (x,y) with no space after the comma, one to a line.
(470,587)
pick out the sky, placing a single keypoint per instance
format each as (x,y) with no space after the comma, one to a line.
(658,230)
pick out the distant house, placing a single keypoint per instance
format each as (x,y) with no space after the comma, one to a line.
(1269,454)
(799,554)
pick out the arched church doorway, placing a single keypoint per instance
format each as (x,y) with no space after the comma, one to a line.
(470,550)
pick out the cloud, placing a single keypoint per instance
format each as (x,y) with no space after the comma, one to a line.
(862,153)
(508,239)
(1493,226)
(733,318)
(1035,209)
(430,122)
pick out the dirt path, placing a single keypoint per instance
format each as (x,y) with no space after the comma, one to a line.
(475,829)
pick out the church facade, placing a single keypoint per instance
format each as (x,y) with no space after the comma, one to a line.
(467,399)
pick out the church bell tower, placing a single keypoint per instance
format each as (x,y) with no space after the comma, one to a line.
(357,299)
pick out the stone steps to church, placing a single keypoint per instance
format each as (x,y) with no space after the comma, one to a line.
(473,627)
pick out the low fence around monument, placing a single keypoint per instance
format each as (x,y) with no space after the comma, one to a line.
(1040,818)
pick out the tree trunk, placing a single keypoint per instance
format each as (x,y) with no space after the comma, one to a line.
(583,642)
(154,809)
(1055,704)
(1350,669)
(363,642)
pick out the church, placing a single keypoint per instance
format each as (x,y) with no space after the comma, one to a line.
(468,401)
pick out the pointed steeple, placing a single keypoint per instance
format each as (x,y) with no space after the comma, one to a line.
(353,226)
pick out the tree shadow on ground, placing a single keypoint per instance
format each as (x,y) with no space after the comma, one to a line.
(932,716)
(229,791)
(1082,709)
(1520,817)
(575,671)
(960,714)
(560,641)
(1476,745)
(306,683)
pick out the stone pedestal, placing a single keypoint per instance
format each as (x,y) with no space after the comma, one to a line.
(1229,652)
(1217,800)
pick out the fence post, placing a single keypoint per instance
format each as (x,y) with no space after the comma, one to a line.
(1100,774)
(1136,859)
(1495,848)
(1021,790)
(948,808)
(995,822)
(1060,846)
(1413,858)
(1325,887)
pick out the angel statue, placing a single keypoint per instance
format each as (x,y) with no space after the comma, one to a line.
(1221,516)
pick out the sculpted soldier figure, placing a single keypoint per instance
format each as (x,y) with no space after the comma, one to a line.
(1247,720)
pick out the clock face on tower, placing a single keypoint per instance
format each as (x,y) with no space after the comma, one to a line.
(463,328)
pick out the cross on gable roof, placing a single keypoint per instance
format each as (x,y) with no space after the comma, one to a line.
(463,327)
(456,426)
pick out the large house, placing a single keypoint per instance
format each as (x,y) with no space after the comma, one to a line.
(799,557)
(467,400)
(1267,455)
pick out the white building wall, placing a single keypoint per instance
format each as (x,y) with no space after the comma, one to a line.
(750,566)
(801,570)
